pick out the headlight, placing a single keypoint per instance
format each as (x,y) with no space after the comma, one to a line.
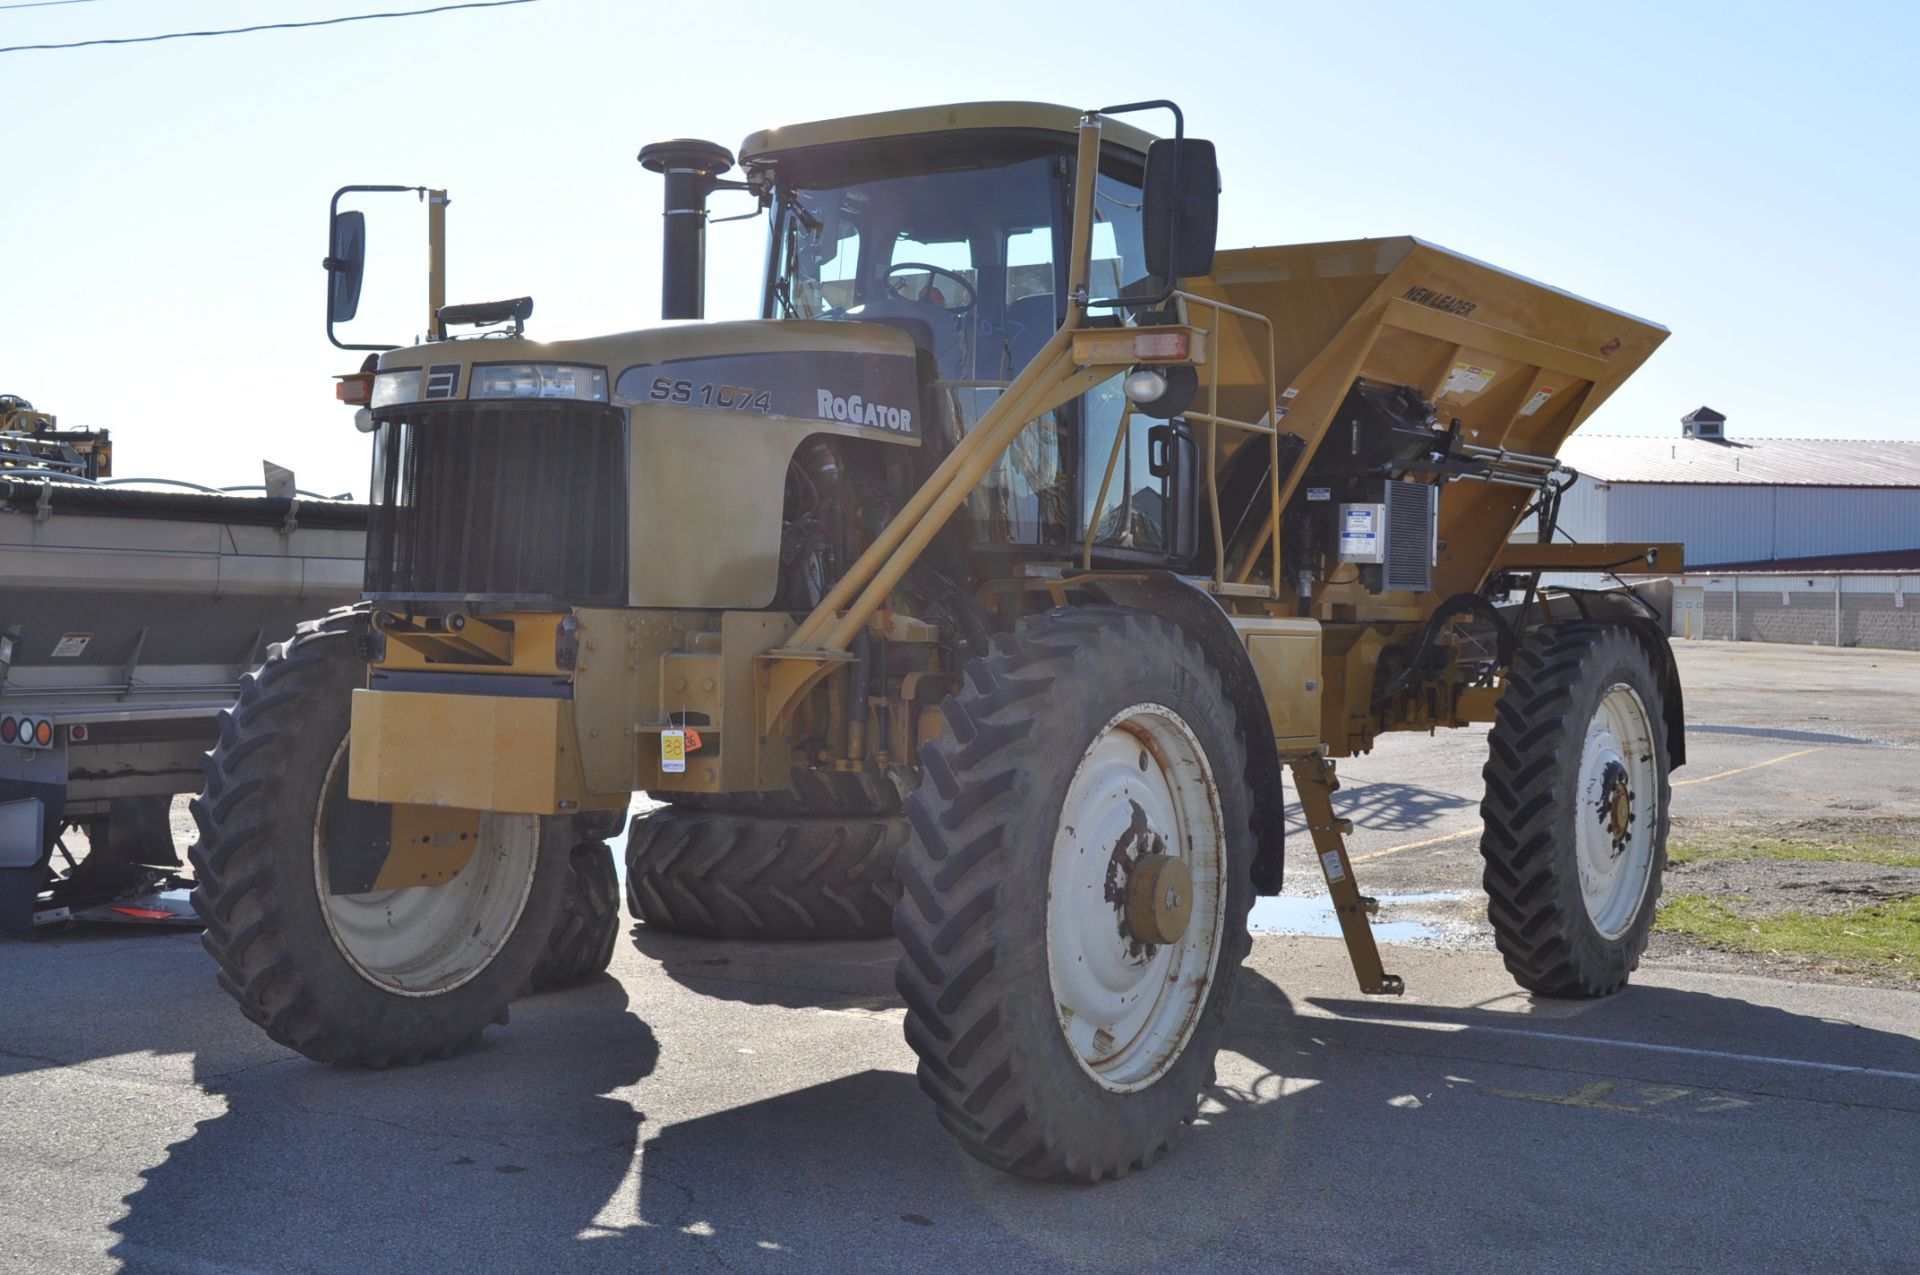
(395,387)
(539,380)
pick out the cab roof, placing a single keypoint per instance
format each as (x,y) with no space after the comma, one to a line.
(921,121)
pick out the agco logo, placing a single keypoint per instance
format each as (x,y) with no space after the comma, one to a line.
(856,411)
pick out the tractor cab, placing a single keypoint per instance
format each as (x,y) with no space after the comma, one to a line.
(954,225)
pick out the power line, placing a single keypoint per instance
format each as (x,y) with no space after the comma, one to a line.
(270,26)
(42,4)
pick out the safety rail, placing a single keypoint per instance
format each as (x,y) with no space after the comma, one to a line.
(1214,421)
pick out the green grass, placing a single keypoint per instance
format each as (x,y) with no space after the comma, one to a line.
(1881,938)
(1887,852)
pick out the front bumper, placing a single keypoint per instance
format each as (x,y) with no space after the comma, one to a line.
(473,752)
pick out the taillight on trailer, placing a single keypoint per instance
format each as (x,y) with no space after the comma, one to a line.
(28,732)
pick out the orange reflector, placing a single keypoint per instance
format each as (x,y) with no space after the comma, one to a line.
(1160,347)
(43,732)
(355,388)
(693,740)
(144,914)
(1118,347)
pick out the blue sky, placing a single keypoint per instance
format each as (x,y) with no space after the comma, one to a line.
(1747,174)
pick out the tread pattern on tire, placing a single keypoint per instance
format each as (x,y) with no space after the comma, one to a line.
(845,793)
(951,875)
(743,876)
(1530,776)
(581,942)
(268,969)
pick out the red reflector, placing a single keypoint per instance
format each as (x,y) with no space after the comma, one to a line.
(9,730)
(355,388)
(144,914)
(1160,345)
(77,733)
(43,732)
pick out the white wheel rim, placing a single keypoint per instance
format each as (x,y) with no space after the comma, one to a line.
(1618,806)
(428,940)
(1143,786)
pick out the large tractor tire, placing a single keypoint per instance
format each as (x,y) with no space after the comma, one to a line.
(740,876)
(581,942)
(353,976)
(749,876)
(845,793)
(1075,894)
(1576,809)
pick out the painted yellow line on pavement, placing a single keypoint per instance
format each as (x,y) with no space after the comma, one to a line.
(1413,845)
(1741,770)
(1474,832)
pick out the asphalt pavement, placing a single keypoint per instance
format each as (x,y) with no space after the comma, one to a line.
(752,1108)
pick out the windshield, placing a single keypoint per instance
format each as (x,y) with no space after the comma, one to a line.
(961,259)
(971,263)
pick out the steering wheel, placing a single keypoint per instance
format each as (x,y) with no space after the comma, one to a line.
(894,291)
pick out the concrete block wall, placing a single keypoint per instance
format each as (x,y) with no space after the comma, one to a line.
(1875,611)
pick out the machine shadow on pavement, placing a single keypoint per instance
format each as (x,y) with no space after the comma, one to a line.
(1387,807)
(1341,1134)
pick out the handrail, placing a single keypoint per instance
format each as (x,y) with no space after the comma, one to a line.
(1211,418)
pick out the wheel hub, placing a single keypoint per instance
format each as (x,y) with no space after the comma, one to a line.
(1616,804)
(1159,899)
(1136,902)
(1614,840)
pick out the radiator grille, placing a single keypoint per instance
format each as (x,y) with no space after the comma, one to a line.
(509,503)
(1407,562)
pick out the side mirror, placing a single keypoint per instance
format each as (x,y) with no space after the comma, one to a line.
(346,265)
(1180,208)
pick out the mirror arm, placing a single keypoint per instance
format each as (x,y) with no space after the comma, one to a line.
(1172,285)
(333,264)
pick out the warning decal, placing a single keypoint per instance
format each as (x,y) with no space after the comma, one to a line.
(71,645)
(1466,378)
(1538,401)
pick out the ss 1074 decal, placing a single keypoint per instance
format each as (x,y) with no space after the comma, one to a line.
(874,391)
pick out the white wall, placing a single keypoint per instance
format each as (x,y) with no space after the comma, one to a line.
(1741,524)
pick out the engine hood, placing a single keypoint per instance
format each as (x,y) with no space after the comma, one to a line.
(858,374)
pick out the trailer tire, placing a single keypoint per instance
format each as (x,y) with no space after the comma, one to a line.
(285,949)
(1576,809)
(581,942)
(1082,1068)
(741,876)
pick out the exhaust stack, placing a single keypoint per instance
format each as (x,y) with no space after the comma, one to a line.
(692,169)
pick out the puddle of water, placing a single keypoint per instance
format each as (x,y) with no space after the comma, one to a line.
(1312,914)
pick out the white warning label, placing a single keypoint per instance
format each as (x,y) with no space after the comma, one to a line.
(1330,863)
(1538,401)
(1467,378)
(71,645)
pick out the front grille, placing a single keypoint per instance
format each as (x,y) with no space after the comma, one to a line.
(507,503)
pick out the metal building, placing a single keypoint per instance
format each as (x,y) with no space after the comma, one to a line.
(1787,539)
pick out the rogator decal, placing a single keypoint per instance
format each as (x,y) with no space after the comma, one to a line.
(874,391)
(1442,301)
(857,411)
